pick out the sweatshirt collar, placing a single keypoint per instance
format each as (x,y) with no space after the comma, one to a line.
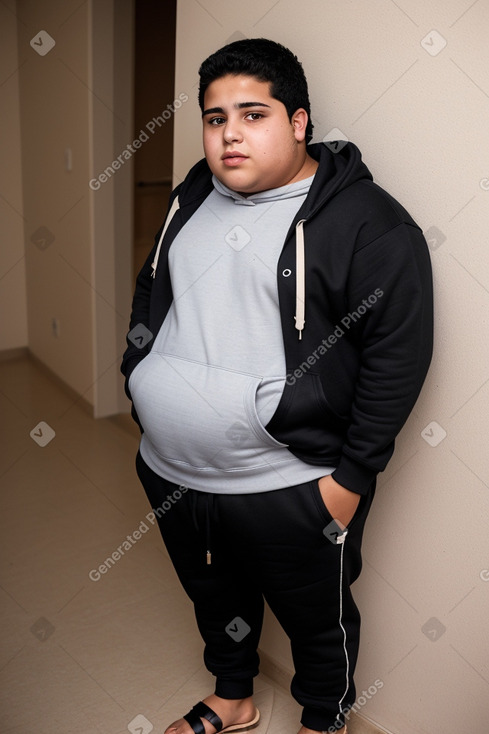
(290,191)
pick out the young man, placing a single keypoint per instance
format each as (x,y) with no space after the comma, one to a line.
(287,305)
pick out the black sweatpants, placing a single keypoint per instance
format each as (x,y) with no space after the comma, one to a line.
(268,545)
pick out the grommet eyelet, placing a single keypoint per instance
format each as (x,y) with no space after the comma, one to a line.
(287,272)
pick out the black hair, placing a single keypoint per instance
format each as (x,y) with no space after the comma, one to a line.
(267,61)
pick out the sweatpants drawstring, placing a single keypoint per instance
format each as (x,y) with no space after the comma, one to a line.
(209,501)
(202,514)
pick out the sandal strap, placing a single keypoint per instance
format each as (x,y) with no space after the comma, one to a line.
(202,710)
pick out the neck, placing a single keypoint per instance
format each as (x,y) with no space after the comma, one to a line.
(308,168)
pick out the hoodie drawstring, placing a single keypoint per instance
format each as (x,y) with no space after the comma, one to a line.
(300,278)
(174,208)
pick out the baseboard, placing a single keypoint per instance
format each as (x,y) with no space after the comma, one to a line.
(126,423)
(67,389)
(25,353)
(281,676)
(123,420)
(18,353)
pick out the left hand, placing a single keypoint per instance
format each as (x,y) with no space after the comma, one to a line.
(340,502)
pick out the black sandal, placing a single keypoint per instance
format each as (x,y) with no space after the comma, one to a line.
(202,710)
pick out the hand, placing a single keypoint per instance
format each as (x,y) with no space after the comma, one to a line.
(340,502)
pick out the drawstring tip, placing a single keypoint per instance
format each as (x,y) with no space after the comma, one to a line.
(299,325)
(209,558)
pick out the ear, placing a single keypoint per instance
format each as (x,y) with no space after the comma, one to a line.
(299,121)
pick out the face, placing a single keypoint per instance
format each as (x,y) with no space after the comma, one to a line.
(250,143)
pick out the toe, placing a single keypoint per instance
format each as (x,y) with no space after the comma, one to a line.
(179,727)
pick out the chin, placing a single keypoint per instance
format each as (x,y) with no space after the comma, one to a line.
(238,185)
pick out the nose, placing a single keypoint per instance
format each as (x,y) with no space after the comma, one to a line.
(232,133)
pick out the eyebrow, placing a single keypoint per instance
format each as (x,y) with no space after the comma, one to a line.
(236,105)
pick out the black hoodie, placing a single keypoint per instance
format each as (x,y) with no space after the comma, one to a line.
(356,366)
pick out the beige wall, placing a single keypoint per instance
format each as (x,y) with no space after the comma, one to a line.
(55,116)
(78,241)
(421,122)
(111,128)
(13,309)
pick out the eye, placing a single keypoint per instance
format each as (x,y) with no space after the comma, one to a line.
(216,121)
(254,115)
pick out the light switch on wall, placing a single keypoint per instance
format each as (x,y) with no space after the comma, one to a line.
(68,159)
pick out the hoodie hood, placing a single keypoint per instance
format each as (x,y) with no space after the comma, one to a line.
(335,173)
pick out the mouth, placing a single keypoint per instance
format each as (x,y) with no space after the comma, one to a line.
(233,158)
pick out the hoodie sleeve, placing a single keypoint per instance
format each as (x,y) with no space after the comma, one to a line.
(395,338)
(137,349)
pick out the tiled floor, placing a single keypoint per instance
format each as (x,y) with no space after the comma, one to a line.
(85,652)
(78,655)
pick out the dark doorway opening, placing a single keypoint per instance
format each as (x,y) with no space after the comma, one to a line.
(154,87)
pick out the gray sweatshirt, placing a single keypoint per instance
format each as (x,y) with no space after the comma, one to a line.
(216,372)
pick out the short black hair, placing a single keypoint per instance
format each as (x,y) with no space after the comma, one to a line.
(267,61)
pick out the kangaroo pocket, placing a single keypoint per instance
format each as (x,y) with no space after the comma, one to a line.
(305,419)
(200,415)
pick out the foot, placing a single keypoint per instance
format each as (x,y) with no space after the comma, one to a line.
(230,711)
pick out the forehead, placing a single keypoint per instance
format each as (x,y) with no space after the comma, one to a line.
(239,88)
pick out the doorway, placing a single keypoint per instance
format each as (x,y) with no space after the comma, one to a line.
(154,87)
